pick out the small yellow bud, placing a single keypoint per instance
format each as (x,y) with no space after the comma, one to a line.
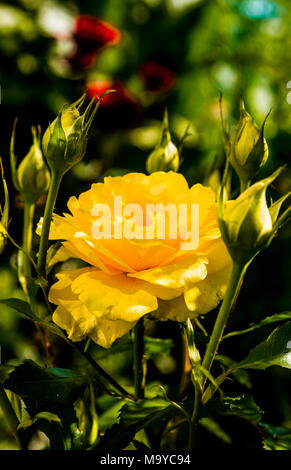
(32,177)
(247,223)
(165,157)
(249,149)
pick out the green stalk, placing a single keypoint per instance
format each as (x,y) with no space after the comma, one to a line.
(27,235)
(24,263)
(138,359)
(227,305)
(11,417)
(232,291)
(50,204)
(194,423)
(101,372)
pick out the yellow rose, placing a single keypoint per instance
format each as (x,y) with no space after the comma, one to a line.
(129,278)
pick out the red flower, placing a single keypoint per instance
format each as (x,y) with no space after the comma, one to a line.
(157,77)
(94,32)
(117,109)
(91,35)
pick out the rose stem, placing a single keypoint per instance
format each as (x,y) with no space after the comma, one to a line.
(227,305)
(49,207)
(138,359)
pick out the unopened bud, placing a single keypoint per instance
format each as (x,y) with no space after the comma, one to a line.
(249,149)
(247,225)
(32,176)
(65,140)
(165,157)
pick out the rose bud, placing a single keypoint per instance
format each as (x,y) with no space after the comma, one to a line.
(157,77)
(65,140)
(32,176)
(249,149)
(165,156)
(248,224)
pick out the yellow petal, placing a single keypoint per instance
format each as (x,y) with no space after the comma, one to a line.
(175,274)
(217,255)
(61,255)
(175,310)
(205,295)
(113,297)
(80,322)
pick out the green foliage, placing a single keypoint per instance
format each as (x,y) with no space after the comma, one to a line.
(277,438)
(20,306)
(155,346)
(243,407)
(49,395)
(266,321)
(39,386)
(275,350)
(213,427)
(240,375)
(134,417)
(50,424)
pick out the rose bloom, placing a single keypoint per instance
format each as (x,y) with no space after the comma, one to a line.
(96,32)
(91,34)
(129,278)
(157,77)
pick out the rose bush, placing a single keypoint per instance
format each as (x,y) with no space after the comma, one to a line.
(129,278)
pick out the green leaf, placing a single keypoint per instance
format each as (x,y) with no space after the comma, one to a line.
(240,375)
(20,306)
(4,372)
(42,386)
(275,350)
(50,390)
(266,321)
(213,427)
(277,438)
(194,354)
(134,417)
(51,425)
(24,309)
(243,406)
(51,417)
(155,346)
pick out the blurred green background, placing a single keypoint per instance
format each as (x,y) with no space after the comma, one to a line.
(242,48)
